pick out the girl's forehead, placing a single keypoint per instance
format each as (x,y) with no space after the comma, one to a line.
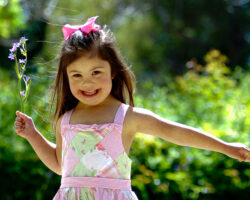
(88,63)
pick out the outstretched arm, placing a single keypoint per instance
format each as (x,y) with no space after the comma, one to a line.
(147,122)
(48,152)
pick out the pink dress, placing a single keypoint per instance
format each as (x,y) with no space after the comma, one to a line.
(94,163)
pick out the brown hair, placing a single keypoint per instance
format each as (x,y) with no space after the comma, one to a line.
(96,43)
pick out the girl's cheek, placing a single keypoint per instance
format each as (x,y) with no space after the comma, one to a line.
(106,80)
(73,86)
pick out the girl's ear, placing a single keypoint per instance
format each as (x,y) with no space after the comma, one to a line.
(113,75)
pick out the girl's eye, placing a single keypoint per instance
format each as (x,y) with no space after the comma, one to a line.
(77,75)
(96,72)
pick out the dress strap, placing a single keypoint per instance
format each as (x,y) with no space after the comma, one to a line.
(66,117)
(121,113)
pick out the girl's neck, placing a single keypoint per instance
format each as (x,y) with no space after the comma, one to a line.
(109,101)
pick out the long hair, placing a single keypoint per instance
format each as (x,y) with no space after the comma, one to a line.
(96,43)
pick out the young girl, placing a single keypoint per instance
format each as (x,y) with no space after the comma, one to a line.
(95,127)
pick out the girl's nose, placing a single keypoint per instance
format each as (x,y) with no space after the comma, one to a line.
(87,82)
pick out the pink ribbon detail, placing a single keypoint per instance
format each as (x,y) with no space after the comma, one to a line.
(90,25)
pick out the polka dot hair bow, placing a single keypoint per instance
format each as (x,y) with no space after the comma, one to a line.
(90,25)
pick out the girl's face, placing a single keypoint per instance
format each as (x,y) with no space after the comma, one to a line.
(90,80)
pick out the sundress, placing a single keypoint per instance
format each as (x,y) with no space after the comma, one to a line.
(95,165)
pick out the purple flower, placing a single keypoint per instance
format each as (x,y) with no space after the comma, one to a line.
(11,56)
(22,93)
(13,49)
(22,61)
(23,39)
(16,44)
(26,77)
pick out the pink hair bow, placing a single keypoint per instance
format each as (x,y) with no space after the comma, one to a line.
(90,25)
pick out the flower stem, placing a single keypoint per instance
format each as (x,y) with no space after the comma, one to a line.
(17,69)
(20,96)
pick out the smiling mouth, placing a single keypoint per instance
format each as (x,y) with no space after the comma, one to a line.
(89,94)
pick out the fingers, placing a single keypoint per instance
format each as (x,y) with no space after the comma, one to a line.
(19,125)
(23,124)
(21,116)
(245,154)
(239,151)
(20,121)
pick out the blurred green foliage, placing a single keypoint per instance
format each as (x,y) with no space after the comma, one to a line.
(12,18)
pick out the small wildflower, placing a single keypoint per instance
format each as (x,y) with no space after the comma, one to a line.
(13,49)
(20,69)
(11,56)
(26,77)
(22,61)
(22,93)
(23,40)
(16,44)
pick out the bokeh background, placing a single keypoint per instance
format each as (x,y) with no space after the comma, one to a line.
(192,63)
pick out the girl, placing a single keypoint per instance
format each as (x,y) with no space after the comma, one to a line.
(95,127)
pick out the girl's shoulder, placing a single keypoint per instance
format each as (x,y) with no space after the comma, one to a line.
(136,117)
(58,124)
(145,121)
(138,114)
(59,121)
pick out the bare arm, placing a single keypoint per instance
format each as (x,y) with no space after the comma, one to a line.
(150,123)
(48,152)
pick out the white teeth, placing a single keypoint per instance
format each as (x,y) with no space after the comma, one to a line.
(90,93)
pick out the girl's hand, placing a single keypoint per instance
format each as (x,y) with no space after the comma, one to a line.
(24,125)
(238,151)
